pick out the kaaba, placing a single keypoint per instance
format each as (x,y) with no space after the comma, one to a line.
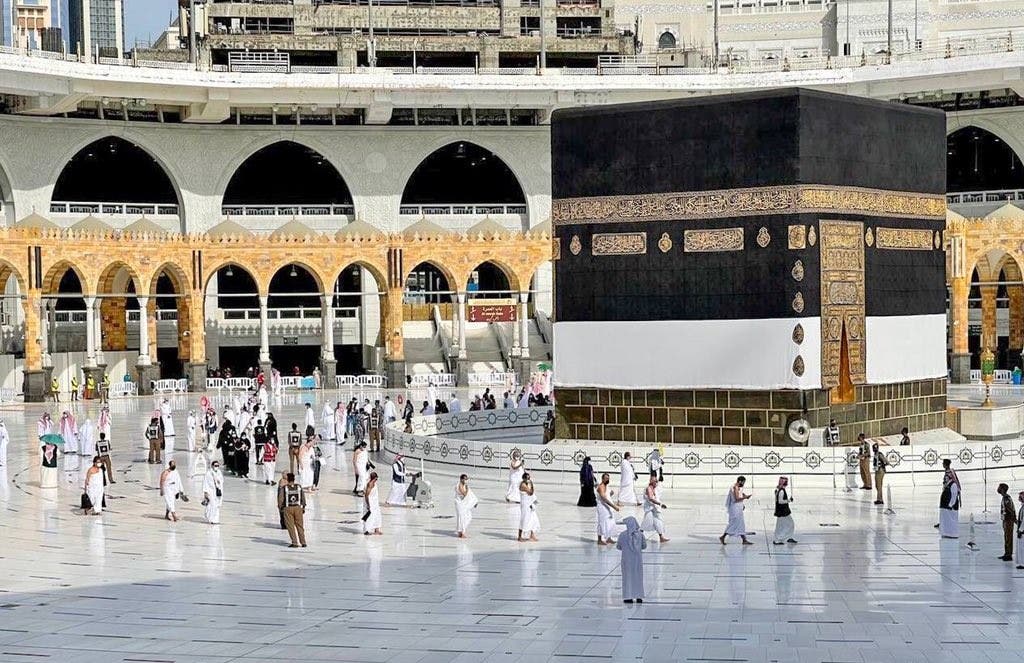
(726,266)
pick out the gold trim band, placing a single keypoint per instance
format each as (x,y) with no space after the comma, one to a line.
(727,203)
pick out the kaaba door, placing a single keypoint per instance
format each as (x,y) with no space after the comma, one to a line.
(842,304)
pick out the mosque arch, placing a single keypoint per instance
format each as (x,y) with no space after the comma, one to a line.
(286,173)
(463,172)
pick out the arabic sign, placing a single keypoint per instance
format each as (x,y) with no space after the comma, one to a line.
(492,313)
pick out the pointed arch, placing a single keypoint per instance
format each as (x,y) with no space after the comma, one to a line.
(286,172)
(174,272)
(495,275)
(980,158)
(56,272)
(463,172)
(113,169)
(109,275)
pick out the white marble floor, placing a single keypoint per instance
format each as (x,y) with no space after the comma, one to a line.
(129,586)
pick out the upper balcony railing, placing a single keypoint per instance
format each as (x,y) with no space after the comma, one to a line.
(983,197)
(114,209)
(982,44)
(426,210)
(287,210)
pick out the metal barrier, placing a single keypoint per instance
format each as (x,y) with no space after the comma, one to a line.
(1002,376)
(170,385)
(436,379)
(243,384)
(359,381)
(123,389)
(492,379)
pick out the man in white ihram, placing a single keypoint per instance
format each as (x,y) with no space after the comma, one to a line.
(170,487)
(627,476)
(454,406)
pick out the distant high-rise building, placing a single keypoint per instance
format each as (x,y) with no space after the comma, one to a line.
(52,40)
(31,17)
(96,24)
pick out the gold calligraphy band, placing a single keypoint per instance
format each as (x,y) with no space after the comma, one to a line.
(728,203)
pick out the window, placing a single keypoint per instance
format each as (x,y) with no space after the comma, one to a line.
(667,40)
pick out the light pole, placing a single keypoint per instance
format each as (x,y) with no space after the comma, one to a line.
(192,54)
(889,34)
(371,46)
(714,49)
(543,39)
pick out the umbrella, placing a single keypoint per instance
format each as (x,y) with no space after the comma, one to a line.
(545,366)
(52,438)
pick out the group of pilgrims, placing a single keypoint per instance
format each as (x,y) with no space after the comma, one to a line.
(248,431)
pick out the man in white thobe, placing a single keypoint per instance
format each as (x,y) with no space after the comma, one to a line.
(190,430)
(390,412)
(168,424)
(213,493)
(87,439)
(627,476)
(310,423)
(465,502)
(94,486)
(454,406)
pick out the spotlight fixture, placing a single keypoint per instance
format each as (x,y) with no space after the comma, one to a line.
(230,271)
(293,273)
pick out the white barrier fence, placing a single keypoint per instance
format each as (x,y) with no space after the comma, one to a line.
(166,386)
(360,382)
(123,389)
(492,379)
(436,379)
(8,395)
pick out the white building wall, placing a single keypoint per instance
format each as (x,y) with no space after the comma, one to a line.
(376,162)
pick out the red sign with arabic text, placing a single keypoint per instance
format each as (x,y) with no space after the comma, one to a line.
(492,313)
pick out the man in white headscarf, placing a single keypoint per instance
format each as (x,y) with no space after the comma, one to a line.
(632,544)
(213,493)
(168,424)
(69,431)
(190,430)
(5,439)
(44,426)
(627,476)
(87,438)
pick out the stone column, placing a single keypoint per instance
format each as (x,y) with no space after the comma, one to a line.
(144,358)
(524,324)
(960,358)
(264,336)
(90,332)
(463,364)
(461,299)
(1013,355)
(196,339)
(44,334)
(394,342)
(328,365)
(98,333)
(989,331)
(146,372)
(37,379)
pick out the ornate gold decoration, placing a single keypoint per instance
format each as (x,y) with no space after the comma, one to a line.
(812,235)
(575,246)
(842,306)
(798,271)
(718,239)
(938,239)
(908,239)
(797,237)
(665,243)
(869,237)
(798,303)
(788,199)
(618,244)
(798,334)
(763,238)
(556,248)
(798,366)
